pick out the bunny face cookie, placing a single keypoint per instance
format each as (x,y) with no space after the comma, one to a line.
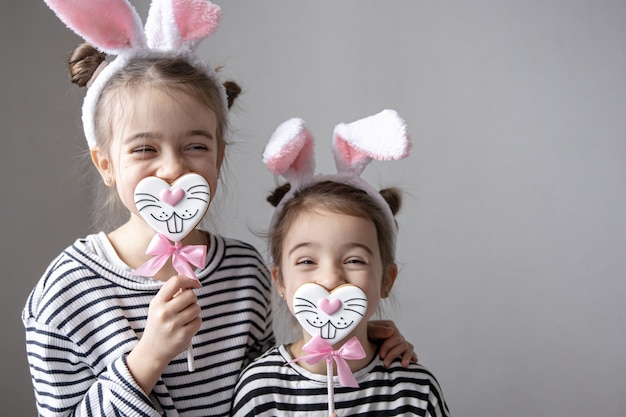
(330,315)
(173,210)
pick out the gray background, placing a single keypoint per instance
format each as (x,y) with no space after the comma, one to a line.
(513,232)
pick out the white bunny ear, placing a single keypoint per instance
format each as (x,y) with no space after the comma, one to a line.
(173,24)
(382,136)
(289,152)
(112,26)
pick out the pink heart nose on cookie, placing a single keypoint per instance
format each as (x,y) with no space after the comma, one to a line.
(172,196)
(329,305)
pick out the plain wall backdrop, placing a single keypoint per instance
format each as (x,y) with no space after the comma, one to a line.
(513,233)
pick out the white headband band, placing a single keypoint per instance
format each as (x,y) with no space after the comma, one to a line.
(173,29)
(383,137)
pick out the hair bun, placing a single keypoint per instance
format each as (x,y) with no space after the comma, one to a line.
(83,63)
(232,92)
(393,197)
(277,195)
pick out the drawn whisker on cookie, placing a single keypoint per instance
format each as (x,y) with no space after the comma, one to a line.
(306,311)
(356,299)
(354,311)
(308,302)
(146,196)
(190,189)
(355,305)
(148,206)
(198,198)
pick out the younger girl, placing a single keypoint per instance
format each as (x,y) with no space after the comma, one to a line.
(334,230)
(100,340)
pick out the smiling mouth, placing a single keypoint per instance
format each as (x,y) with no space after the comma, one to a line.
(328,331)
(175,224)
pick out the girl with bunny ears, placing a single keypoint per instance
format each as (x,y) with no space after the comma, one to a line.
(332,240)
(102,340)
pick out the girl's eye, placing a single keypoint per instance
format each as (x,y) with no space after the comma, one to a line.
(197,147)
(304,262)
(355,261)
(143,149)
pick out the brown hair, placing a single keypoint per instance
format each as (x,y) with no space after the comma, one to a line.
(167,73)
(339,198)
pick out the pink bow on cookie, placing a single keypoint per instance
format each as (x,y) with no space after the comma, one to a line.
(318,349)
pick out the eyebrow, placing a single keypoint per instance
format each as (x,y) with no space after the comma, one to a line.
(359,245)
(298,246)
(141,135)
(152,135)
(349,245)
(199,132)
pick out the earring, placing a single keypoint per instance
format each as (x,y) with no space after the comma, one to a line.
(281,295)
(107,180)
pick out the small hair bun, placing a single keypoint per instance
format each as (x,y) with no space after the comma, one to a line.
(393,197)
(83,63)
(277,195)
(232,92)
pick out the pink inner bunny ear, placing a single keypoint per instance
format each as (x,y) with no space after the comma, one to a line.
(289,151)
(349,154)
(349,158)
(110,25)
(196,19)
(382,136)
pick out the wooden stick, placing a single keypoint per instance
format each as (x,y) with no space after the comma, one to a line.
(331,391)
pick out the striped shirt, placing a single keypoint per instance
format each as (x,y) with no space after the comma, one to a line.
(86,314)
(268,387)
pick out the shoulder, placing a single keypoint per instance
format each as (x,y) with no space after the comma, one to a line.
(72,275)
(268,370)
(267,366)
(272,357)
(233,254)
(236,247)
(416,378)
(415,372)
(66,268)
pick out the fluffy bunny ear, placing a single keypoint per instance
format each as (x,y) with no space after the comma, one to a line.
(289,152)
(112,26)
(382,136)
(172,24)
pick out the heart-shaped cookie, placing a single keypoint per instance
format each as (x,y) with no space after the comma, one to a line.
(331,315)
(173,210)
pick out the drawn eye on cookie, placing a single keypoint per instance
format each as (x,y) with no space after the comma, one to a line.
(332,315)
(173,210)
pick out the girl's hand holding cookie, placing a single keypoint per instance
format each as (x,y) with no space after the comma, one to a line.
(173,319)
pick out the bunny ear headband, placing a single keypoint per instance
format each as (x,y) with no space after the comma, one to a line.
(383,137)
(173,29)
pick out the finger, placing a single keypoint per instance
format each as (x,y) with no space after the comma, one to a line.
(173,285)
(193,326)
(390,343)
(394,353)
(182,281)
(189,314)
(379,329)
(183,301)
(408,355)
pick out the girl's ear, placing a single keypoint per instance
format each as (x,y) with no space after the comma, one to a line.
(278,280)
(103,165)
(388,280)
(221,154)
